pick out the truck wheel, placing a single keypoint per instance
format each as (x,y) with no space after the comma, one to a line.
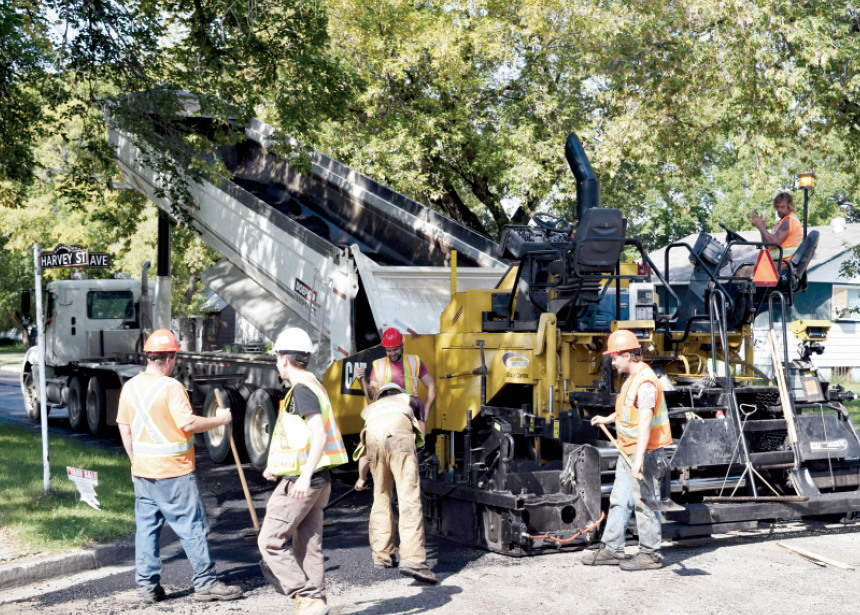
(31,398)
(260,417)
(77,404)
(96,410)
(216,440)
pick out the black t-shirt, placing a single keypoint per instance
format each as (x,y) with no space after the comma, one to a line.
(304,402)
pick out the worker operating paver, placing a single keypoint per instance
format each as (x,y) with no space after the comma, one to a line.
(388,450)
(305,444)
(402,369)
(642,423)
(157,424)
(787,231)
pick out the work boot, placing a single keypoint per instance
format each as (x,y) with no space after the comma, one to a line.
(425,575)
(312,606)
(156,596)
(298,602)
(643,561)
(219,591)
(603,557)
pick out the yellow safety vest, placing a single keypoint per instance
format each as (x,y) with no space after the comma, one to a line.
(627,414)
(391,404)
(411,372)
(291,440)
(147,440)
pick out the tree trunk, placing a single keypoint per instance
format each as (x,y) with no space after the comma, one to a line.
(187,334)
(456,209)
(25,334)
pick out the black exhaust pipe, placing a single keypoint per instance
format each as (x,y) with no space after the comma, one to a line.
(587,186)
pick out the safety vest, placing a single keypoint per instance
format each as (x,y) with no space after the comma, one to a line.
(391,404)
(147,439)
(291,440)
(411,372)
(627,414)
(792,240)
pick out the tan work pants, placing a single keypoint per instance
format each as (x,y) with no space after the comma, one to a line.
(393,462)
(300,570)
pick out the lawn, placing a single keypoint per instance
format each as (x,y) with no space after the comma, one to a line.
(11,355)
(57,520)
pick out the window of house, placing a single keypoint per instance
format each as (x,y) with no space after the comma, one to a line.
(846,303)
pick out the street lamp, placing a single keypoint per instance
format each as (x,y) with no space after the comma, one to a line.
(806,182)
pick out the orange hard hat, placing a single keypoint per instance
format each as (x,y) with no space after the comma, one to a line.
(392,338)
(622,341)
(161,340)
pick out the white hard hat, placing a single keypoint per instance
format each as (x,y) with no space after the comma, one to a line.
(391,386)
(293,340)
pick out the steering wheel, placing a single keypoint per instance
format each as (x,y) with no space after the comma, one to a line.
(730,234)
(551,223)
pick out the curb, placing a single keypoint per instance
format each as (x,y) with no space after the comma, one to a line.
(27,573)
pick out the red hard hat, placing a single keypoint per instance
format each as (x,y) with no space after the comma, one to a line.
(161,340)
(392,338)
(621,341)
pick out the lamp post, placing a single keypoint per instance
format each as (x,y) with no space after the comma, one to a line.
(806,182)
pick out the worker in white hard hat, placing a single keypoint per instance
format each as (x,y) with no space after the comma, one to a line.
(388,449)
(306,443)
(157,426)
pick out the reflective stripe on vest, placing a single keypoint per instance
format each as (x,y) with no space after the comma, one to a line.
(291,440)
(627,414)
(394,404)
(411,372)
(160,445)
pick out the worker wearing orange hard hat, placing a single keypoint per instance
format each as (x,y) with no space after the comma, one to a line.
(642,423)
(405,370)
(157,426)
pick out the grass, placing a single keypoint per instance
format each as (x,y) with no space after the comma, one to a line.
(55,521)
(12,349)
(854,406)
(10,355)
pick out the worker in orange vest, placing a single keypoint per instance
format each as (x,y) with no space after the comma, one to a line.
(787,231)
(402,369)
(642,423)
(157,426)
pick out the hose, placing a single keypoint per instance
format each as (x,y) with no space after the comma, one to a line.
(572,538)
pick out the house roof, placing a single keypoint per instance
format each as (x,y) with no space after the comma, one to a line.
(213,303)
(831,245)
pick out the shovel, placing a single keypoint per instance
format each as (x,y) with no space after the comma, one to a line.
(664,505)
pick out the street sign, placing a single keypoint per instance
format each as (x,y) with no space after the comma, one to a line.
(74,256)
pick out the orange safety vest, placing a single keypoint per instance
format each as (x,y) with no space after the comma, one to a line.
(627,414)
(291,440)
(792,240)
(411,372)
(147,439)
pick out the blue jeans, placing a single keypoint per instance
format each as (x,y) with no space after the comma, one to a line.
(627,498)
(177,501)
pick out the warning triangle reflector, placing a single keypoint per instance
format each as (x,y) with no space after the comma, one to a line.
(764,273)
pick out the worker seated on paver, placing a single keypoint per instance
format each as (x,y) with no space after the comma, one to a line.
(388,449)
(787,231)
(402,369)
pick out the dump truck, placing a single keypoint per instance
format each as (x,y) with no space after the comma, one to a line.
(331,251)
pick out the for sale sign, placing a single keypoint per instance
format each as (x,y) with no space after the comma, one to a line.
(86,481)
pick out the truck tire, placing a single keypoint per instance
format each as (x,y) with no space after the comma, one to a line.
(78,403)
(216,440)
(260,416)
(96,408)
(31,395)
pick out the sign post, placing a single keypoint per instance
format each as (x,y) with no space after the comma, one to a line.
(37,253)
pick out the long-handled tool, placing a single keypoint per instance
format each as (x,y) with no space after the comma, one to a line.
(239,467)
(664,505)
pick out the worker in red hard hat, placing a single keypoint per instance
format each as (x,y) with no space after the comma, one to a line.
(157,426)
(642,424)
(402,369)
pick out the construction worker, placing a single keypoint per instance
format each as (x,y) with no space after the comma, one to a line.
(642,423)
(787,231)
(402,369)
(388,449)
(305,444)
(157,426)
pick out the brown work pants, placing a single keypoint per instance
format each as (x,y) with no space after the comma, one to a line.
(300,570)
(391,454)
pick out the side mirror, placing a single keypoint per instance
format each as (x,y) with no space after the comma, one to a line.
(25,304)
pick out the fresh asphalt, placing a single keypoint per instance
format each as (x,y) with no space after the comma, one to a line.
(232,541)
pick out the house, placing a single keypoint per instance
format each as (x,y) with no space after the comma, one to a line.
(830,295)
(218,326)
